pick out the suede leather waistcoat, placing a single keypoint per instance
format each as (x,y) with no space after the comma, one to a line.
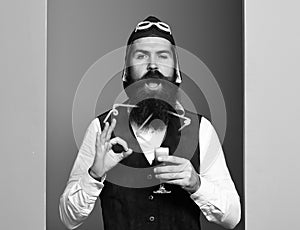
(127,199)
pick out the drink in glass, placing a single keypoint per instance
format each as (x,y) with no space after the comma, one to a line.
(161,151)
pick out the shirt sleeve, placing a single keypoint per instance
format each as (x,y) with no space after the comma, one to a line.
(82,191)
(217,196)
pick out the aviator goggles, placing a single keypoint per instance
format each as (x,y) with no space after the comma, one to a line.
(147,24)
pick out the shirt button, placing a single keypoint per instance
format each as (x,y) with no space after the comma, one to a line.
(151,218)
(151,197)
(149,177)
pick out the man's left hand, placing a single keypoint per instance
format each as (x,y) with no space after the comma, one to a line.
(179,171)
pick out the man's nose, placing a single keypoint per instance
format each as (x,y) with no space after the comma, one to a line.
(152,65)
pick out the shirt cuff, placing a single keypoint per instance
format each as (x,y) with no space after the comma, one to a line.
(203,195)
(90,185)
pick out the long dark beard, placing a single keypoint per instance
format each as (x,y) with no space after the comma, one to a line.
(156,108)
(154,103)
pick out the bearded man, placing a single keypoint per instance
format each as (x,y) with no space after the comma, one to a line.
(117,163)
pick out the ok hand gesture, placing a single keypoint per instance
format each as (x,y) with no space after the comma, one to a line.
(105,157)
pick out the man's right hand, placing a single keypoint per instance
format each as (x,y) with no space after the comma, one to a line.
(105,157)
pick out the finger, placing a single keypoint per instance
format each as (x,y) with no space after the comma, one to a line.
(117,157)
(172,159)
(106,147)
(110,129)
(118,140)
(170,176)
(127,153)
(179,182)
(103,134)
(169,169)
(98,138)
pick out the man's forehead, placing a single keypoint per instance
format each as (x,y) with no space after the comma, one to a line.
(152,42)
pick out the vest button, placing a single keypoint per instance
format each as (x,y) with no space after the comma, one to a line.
(149,177)
(151,197)
(151,218)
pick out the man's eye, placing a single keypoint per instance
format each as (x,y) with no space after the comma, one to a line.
(141,56)
(163,56)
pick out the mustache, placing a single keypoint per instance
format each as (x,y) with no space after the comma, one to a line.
(153,74)
(138,91)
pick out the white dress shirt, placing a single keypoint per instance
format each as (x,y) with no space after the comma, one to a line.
(217,196)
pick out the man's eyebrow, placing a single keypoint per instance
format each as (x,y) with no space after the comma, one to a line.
(165,51)
(147,52)
(141,50)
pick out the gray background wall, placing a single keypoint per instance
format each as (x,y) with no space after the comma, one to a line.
(272,112)
(23,114)
(81,32)
(272,86)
